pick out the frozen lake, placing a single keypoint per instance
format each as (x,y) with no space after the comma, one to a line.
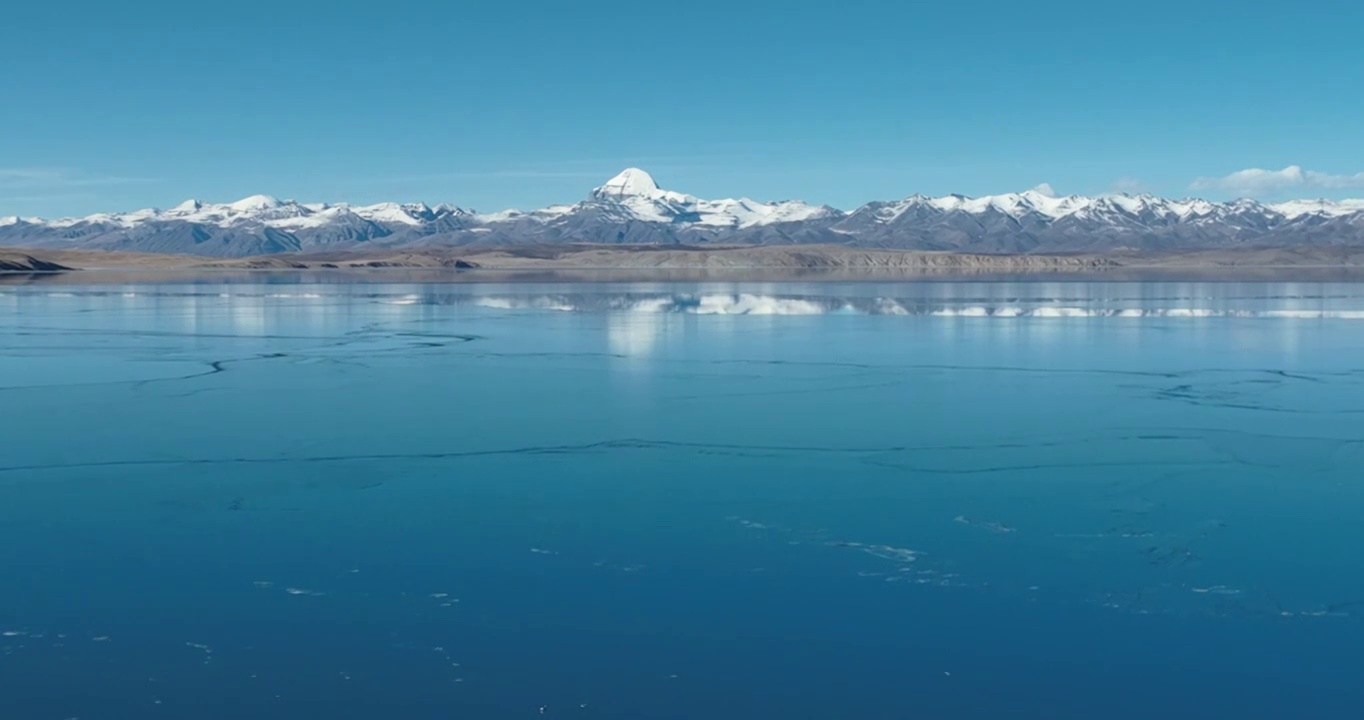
(669,500)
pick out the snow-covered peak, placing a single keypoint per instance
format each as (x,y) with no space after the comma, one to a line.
(631,182)
(633,198)
(388,212)
(254,202)
(634,195)
(1038,201)
(448,209)
(1131,204)
(1191,208)
(744,213)
(1329,208)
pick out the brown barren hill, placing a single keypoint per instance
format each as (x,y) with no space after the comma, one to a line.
(736,262)
(19,261)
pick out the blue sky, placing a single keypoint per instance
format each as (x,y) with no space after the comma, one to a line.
(113,106)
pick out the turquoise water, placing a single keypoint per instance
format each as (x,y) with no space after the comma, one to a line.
(859,500)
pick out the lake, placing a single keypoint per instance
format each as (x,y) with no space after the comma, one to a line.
(285,498)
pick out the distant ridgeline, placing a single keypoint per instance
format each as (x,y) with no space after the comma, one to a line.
(631,208)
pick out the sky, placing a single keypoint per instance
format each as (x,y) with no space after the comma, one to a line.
(491,105)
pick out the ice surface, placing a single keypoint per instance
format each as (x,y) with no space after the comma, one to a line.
(315,499)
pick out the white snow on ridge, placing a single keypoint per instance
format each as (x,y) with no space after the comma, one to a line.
(1329,208)
(633,195)
(1013,204)
(747,213)
(633,184)
(254,202)
(638,195)
(1018,205)
(630,182)
(388,212)
(265,210)
(320,215)
(502,216)
(313,218)
(1186,209)
(543,215)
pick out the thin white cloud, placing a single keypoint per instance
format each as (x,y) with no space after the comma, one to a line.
(57,179)
(487,175)
(1045,189)
(576,169)
(1258,181)
(45,197)
(1129,185)
(700,159)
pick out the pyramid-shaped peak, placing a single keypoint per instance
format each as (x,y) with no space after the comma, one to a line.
(630,182)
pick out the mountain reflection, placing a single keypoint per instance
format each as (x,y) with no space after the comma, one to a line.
(756,304)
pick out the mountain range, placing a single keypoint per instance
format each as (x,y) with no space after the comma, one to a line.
(630,208)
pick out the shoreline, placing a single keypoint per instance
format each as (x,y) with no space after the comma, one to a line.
(595,263)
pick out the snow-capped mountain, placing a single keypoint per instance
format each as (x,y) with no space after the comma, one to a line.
(634,195)
(632,208)
(264,210)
